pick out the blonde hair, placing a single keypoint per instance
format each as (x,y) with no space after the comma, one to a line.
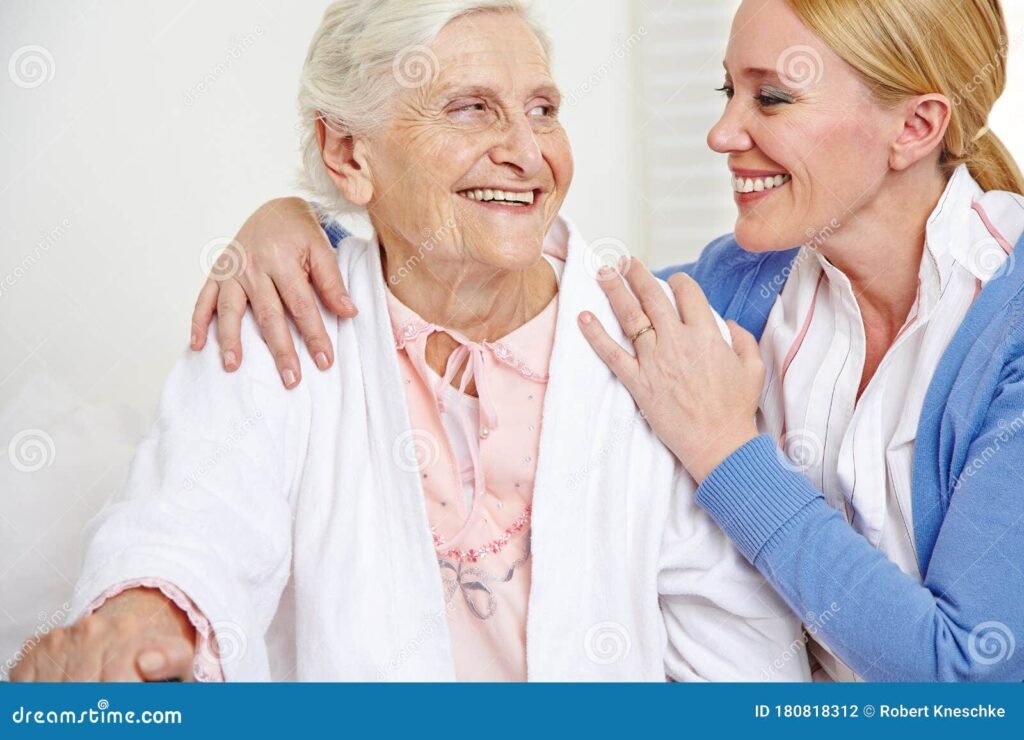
(361,56)
(903,48)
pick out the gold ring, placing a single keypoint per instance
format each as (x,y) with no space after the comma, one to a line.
(641,333)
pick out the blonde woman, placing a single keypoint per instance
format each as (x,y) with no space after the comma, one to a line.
(891,348)
(885,356)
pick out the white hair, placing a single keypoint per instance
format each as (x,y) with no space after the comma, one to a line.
(363,54)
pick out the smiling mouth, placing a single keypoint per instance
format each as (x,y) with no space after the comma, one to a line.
(520,199)
(744,185)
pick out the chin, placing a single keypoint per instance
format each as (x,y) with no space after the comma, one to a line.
(512,255)
(755,235)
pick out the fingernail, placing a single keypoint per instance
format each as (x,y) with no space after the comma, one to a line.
(194,341)
(151,661)
(605,272)
(321,360)
(288,375)
(348,305)
(585,318)
(229,359)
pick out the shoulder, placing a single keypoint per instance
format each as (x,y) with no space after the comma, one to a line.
(740,285)
(723,256)
(725,265)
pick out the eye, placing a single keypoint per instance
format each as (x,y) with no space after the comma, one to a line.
(547,111)
(470,108)
(770,97)
(726,90)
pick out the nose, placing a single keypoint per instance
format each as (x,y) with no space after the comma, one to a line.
(731,134)
(518,148)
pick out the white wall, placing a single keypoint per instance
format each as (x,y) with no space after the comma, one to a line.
(1009,111)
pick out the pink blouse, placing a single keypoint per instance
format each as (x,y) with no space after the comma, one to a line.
(477,458)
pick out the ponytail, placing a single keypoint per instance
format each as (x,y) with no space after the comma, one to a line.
(992,165)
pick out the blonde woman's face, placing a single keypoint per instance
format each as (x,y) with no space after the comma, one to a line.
(474,158)
(800,126)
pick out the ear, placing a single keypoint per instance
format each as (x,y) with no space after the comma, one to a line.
(344,155)
(924,124)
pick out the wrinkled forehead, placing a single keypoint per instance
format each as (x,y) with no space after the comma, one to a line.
(494,50)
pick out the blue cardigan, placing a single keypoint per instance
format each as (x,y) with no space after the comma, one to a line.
(966,622)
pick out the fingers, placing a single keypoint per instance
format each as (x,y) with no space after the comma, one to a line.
(270,316)
(619,361)
(694,308)
(24,670)
(166,660)
(747,349)
(231,303)
(323,268)
(41,661)
(627,308)
(655,304)
(202,314)
(301,304)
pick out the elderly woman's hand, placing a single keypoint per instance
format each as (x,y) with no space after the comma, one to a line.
(138,635)
(284,250)
(698,394)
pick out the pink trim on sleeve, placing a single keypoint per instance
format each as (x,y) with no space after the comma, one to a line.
(996,234)
(206,664)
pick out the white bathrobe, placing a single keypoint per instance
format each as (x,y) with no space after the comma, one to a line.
(293,522)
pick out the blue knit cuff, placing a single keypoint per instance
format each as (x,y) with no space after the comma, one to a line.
(752,495)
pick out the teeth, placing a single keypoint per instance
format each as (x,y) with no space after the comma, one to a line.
(760,184)
(490,194)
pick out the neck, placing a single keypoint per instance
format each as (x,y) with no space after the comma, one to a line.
(880,247)
(481,302)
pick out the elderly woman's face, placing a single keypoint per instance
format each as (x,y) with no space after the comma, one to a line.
(475,161)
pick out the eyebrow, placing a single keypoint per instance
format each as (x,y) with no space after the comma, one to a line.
(482,91)
(756,72)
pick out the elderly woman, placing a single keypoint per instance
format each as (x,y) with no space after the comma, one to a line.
(468,493)
(886,354)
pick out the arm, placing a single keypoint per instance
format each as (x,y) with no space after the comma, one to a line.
(285,256)
(207,504)
(724,622)
(960,624)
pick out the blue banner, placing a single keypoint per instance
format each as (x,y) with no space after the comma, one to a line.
(626,710)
